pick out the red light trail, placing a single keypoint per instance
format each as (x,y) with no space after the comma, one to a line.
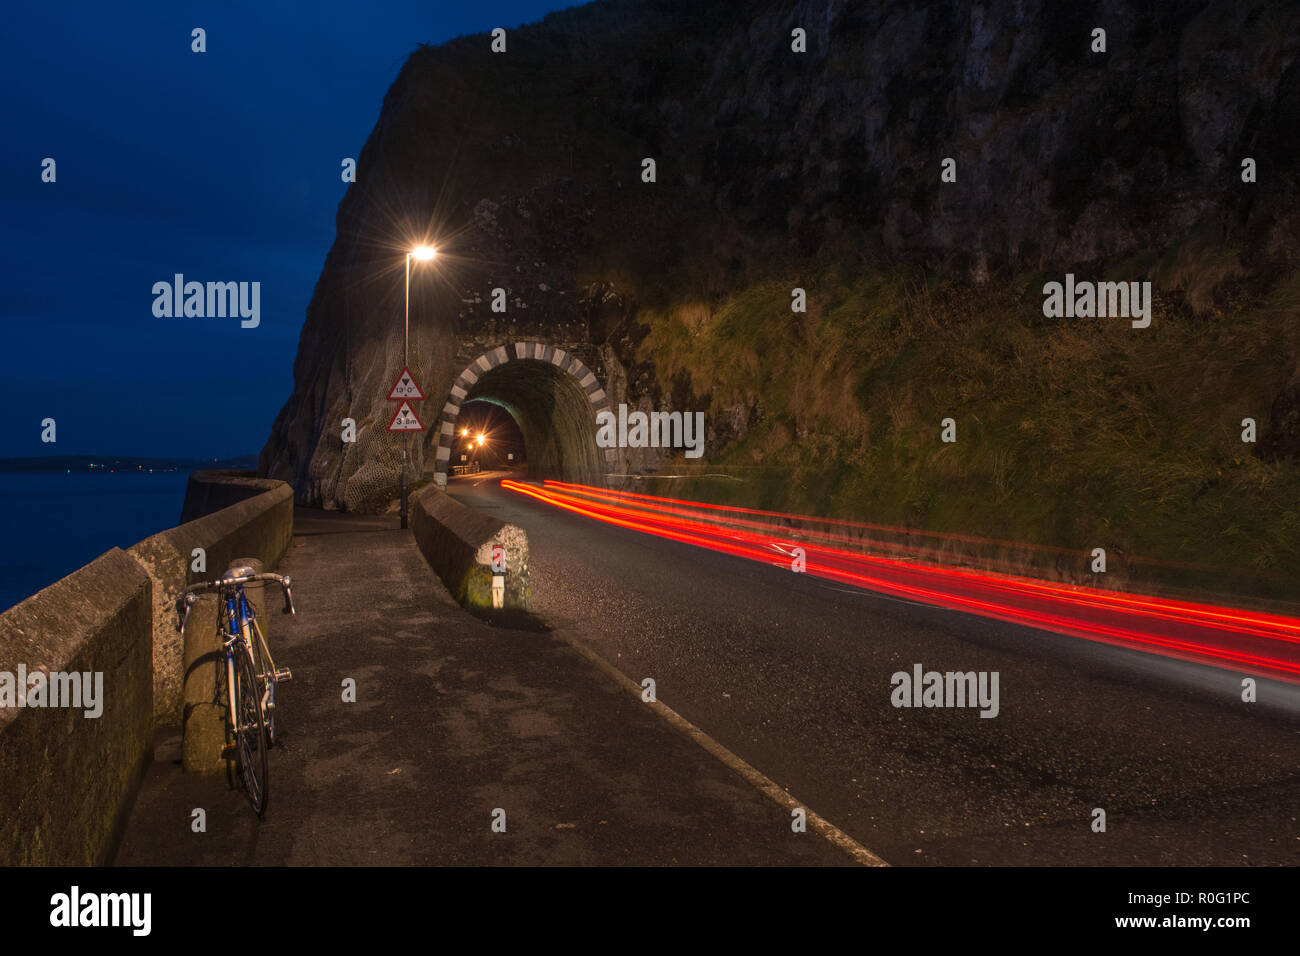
(1248,641)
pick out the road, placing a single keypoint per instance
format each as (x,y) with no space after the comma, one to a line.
(793,674)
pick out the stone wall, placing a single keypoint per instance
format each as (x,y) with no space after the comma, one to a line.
(66,779)
(457,542)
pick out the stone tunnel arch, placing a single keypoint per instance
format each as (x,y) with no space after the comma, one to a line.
(553,397)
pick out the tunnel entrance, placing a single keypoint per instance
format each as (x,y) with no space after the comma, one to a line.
(551,397)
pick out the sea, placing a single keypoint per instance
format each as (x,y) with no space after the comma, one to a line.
(54,523)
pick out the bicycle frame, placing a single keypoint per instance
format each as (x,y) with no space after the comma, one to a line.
(235,619)
(234,629)
(243,622)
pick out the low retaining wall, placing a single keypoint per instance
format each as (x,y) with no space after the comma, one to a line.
(457,542)
(207,492)
(67,780)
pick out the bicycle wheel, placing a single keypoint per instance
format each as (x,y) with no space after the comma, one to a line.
(250,732)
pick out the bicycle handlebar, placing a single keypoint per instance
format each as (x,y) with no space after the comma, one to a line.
(186,599)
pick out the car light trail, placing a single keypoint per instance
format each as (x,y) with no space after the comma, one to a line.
(1249,641)
(798,524)
(1080,595)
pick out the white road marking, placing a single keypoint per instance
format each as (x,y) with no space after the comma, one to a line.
(759,780)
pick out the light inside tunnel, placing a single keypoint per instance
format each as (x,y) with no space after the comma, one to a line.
(1249,641)
(489,438)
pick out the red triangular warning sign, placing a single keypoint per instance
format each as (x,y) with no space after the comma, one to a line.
(405,420)
(405,387)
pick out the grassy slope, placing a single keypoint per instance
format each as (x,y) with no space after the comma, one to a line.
(1072,433)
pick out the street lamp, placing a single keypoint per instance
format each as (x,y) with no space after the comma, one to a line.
(421,254)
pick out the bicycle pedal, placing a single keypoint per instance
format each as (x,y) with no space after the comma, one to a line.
(282,674)
(229,751)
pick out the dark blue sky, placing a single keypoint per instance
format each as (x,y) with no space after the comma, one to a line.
(224,166)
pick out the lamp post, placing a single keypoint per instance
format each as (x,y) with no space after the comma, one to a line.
(421,254)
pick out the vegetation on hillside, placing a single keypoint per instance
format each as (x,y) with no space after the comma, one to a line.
(1072,433)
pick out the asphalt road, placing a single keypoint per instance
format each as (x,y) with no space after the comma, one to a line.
(793,674)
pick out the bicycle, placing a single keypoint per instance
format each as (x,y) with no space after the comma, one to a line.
(251,674)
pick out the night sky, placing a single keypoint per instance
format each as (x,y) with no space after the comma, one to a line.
(223,166)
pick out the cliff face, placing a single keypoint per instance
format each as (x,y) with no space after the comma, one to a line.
(526,169)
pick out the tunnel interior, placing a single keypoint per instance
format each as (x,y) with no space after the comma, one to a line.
(488,436)
(550,411)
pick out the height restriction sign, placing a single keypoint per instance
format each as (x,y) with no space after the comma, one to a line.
(405,387)
(405,420)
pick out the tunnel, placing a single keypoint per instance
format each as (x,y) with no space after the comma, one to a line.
(550,397)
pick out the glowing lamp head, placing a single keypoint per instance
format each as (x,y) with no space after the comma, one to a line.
(424,253)
(464,432)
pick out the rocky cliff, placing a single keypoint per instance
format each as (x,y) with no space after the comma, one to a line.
(776,168)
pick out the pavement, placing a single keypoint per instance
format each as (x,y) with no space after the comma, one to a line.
(793,674)
(453,719)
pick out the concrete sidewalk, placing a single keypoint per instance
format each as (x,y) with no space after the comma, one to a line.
(453,719)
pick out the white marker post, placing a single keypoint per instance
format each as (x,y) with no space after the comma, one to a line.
(498,576)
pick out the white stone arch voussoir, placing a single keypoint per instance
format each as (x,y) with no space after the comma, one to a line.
(512,352)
